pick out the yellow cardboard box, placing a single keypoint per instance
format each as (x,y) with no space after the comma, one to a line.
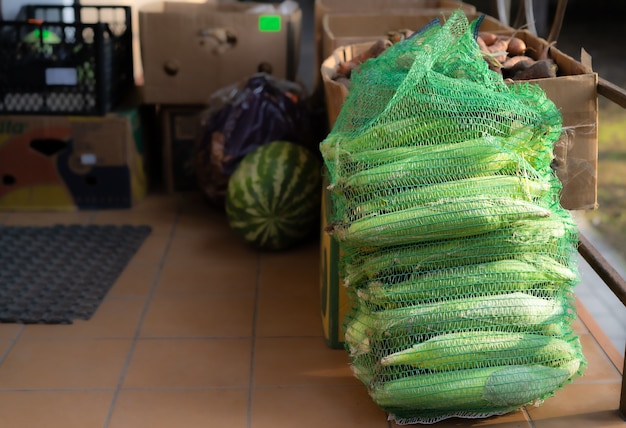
(67,163)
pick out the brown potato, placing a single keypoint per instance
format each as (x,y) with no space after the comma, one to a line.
(516,46)
(488,38)
(482,45)
(539,70)
(344,69)
(513,60)
(498,49)
(515,65)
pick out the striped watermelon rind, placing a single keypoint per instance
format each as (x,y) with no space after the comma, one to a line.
(273,196)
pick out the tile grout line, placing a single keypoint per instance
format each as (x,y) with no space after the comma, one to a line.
(253,344)
(528,418)
(12,343)
(54,390)
(144,311)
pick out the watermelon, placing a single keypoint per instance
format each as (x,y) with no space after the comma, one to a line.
(273,196)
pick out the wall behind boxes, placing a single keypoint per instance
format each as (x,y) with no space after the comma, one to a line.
(10,8)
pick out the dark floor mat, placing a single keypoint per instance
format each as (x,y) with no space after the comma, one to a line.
(56,274)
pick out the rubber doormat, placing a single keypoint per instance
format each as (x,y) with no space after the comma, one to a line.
(56,274)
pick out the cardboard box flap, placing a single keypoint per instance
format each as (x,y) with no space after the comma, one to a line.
(336,92)
(576,153)
(171,7)
(585,60)
(254,8)
(325,6)
(342,29)
(368,24)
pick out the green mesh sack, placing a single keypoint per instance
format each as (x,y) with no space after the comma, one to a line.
(459,260)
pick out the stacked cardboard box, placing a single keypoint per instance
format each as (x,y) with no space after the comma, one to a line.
(324,8)
(190,50)
(70,124)
(71,162)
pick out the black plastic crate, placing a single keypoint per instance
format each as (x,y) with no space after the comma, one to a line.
(74,60)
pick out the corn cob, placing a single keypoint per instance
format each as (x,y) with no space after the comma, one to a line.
(436,164)
(515,187)
(425,129)
(554,269)
(471,280)
(467,350)
(364,367)
(358,330)
(410,131)
(445,219)
(543,235)
(378,333)
(512,311)
(492,388)
(426,149)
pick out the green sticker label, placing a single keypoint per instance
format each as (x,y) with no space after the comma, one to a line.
(269,23)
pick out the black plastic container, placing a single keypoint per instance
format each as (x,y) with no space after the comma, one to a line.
(72,60)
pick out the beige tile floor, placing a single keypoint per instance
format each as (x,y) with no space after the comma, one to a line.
(201,332)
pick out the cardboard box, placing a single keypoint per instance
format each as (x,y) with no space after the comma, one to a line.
(342,29)
(335,93)
(335,302)
(180,126)
(189,50)
(324,7)
(574,93)
(71,162)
